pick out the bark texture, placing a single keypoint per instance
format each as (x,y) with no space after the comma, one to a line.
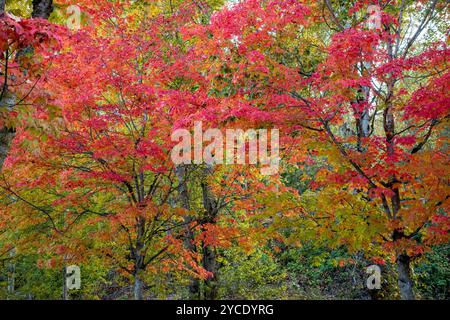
(209,252)
(42,8)
(2,6)
(182,172)
(405,283)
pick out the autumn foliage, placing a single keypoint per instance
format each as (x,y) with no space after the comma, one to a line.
(362,111)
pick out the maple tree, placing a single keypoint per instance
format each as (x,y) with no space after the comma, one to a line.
(360,99)
(366,79)
(132,188)
(373,74)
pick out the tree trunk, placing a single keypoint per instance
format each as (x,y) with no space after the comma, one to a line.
(12,273)
(182,172)
(405,282)
(138,288)
(6,137)
(65,291)
(404,277)
(139,257)
(209,253)
(210,264)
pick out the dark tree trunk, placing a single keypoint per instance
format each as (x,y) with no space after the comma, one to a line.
(42,8)
(362,118)
(405,282)
(138,288)
(209,253)
(182,173)
(6,137)
(12,273)
(210,264)
(139,256)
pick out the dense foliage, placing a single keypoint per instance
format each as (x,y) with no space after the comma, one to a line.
(92,92)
